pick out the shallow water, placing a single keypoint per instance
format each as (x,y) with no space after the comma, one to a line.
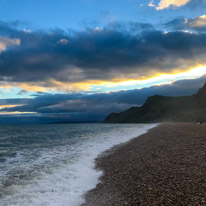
(52,165)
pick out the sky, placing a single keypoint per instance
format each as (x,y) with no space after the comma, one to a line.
(80,60)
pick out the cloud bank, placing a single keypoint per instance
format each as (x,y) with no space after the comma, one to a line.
(91,107)
(114,53)
(7,42)
(197,24)
(163,4)
(182,5)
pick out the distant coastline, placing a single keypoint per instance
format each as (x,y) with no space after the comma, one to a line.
(165,109)
(76,122)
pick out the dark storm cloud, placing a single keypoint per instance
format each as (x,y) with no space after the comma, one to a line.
(14,101)
(96,53)
(177,24)
(89,107)
(195,24)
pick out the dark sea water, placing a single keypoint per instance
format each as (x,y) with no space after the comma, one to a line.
(52,165)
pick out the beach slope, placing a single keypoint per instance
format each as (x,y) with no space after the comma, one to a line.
(166,166)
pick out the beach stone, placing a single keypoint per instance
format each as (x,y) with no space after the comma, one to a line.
(166,166)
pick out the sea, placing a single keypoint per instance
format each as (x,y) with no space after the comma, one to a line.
(53,165)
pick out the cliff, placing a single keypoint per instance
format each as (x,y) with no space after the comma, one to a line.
(165,109)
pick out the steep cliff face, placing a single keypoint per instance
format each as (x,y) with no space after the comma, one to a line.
(161,108)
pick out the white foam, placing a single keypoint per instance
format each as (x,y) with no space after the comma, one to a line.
(64,183)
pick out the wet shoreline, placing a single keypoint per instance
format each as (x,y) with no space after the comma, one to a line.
(165,166)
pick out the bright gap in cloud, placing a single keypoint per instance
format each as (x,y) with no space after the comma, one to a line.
(12,113)
(157,80)
(105,86)
(10,106)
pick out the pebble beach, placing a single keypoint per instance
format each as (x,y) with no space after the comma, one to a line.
(165,166)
